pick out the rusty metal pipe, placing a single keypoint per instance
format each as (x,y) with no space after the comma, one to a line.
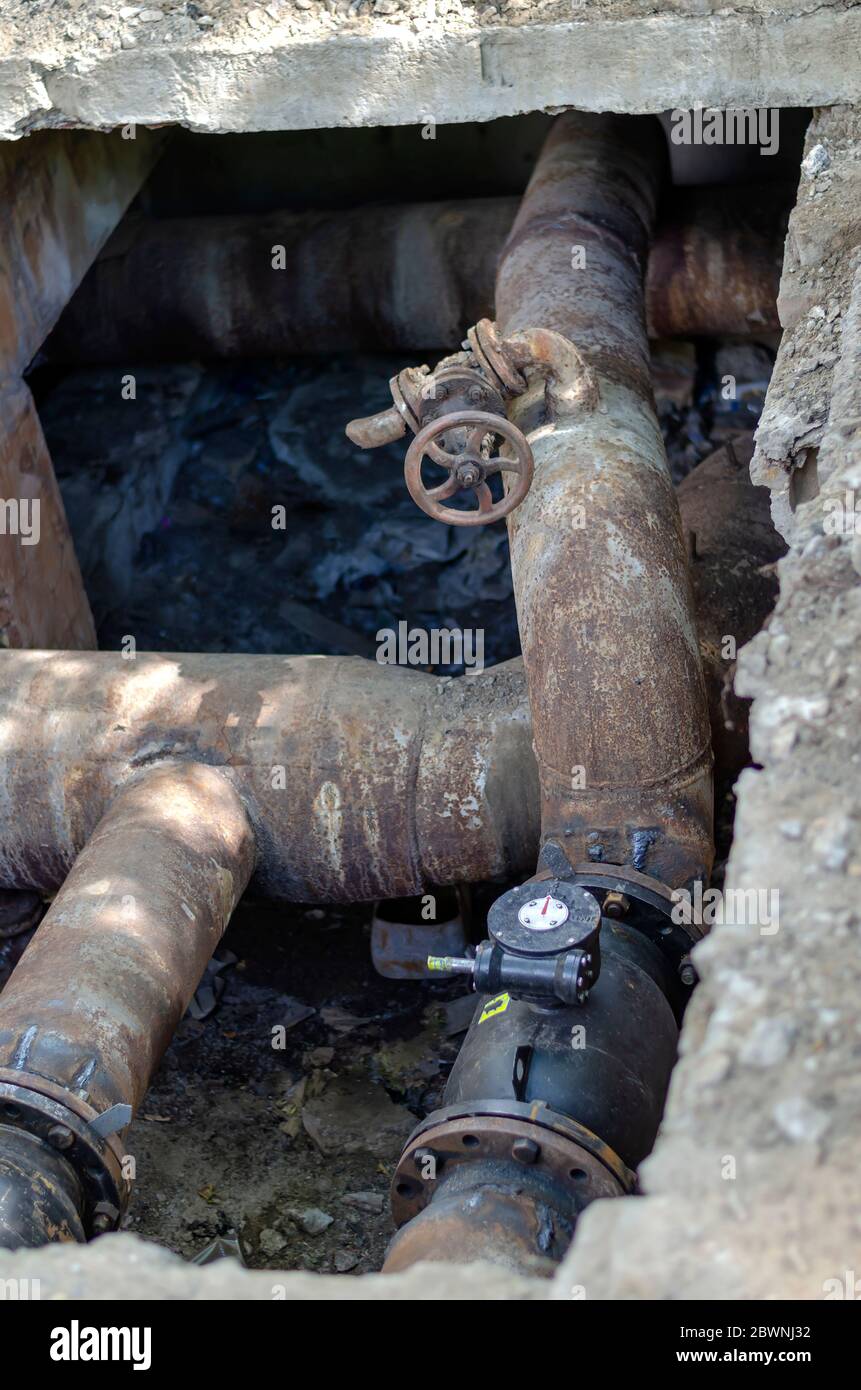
(714,267)
(619,712)
(405,277)
(372,757)
(733,546)
(605,609)
(362,781)
(94,1001)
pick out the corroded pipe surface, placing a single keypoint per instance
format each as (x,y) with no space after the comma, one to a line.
(714,268)
(444,769)
(362,781)
(497,1219)
(604,601)
(407,277)
(367,278)
(96,997)
(42,598)
(61,194)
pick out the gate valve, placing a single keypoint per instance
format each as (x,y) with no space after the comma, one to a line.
(469,467)
(544,946)
(457,413)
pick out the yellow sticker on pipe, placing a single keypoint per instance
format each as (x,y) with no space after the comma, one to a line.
(494,1007)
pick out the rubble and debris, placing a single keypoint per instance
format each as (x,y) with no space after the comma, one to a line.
(227,1247)
(355,1116)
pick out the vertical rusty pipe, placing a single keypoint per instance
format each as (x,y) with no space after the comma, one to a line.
(620,719)
(619,716)
(97,995)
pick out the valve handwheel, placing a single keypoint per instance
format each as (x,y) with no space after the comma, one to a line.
(470,468)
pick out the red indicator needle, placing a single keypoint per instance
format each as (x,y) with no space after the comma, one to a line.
(545,907)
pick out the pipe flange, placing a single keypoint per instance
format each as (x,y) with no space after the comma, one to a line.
(94,1159)
(527,1133)
(409,392)
(489,351)
(656,917)
(459,387)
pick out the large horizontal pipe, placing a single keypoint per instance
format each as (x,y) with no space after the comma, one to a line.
(363,781)
(94,1001)
(405,277)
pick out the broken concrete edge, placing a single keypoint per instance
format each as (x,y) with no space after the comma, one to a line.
(823,248)
(124,1268)
(389,74)
(746,1194)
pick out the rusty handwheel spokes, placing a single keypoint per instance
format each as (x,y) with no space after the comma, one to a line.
(469,466)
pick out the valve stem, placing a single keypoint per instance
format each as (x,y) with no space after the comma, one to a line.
(451,965)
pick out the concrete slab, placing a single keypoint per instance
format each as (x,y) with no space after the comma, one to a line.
(298,64)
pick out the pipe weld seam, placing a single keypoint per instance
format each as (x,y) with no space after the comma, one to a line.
(681,776)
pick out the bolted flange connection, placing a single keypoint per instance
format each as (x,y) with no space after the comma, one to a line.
(72,1185)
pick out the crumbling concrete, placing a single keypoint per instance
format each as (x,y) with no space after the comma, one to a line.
(822,251)
(751,1191)
(126,1268)
(228,66)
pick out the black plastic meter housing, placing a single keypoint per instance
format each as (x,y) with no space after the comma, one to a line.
(551,965)
(580,930)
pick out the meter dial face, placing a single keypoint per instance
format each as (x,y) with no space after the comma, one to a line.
(541,914)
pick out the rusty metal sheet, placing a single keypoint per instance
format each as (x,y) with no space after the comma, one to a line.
(42,598)
(61,195)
